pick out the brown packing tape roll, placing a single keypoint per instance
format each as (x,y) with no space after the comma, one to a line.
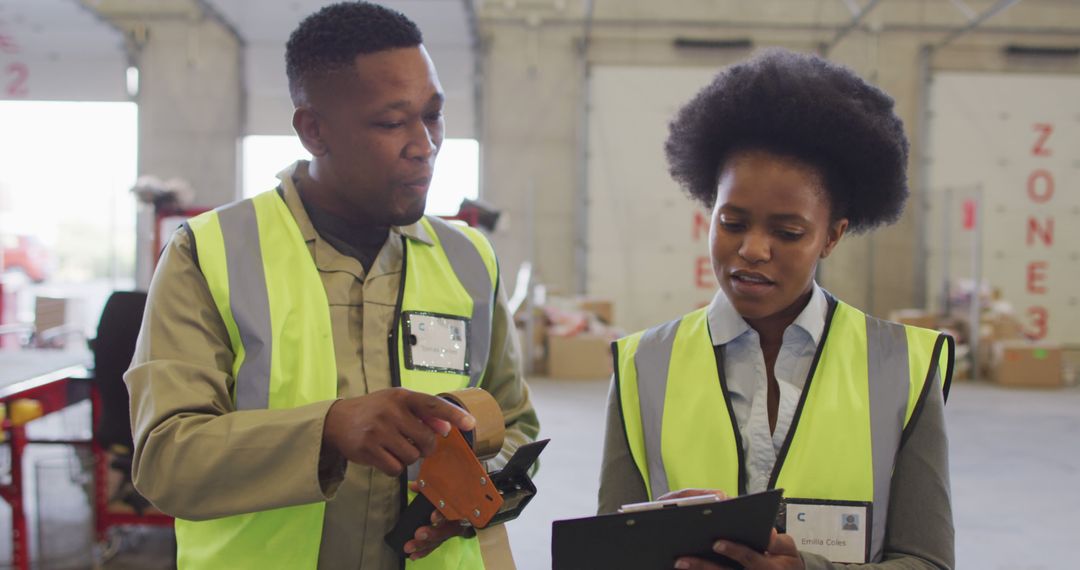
(490,427)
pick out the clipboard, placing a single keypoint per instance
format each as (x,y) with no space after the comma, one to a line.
(652,540)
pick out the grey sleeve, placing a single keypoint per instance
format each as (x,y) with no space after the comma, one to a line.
(620,481)
(920,524)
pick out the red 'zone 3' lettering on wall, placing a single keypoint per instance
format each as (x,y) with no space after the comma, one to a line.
(1040,190)
(703,274)
(1044,130)
(1040,318)
(1036,274)
(701,225)
(1047,185)
(1043,232)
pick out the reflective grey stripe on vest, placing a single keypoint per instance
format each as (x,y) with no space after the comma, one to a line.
(651,360)
(887,363)
(249,302)
(473,274)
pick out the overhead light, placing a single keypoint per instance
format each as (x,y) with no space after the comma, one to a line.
(132,81)
(1042,51)
(699,43)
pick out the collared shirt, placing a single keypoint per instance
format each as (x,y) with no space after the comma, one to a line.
(362,242)
(919,532)
(747,379)
(197,458)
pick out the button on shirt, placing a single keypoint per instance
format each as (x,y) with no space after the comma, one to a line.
(747,378)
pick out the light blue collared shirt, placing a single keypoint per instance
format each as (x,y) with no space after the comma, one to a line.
(747,379)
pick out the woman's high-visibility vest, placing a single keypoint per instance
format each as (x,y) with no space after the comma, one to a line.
(268,291)
(868,379)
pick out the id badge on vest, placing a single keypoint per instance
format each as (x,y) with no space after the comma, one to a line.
(437,343)
(837,530)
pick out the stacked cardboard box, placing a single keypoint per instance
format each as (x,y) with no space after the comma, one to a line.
(579,336)
(915,318)
(50,313)
(1026,364)
(571,337)
(583,356)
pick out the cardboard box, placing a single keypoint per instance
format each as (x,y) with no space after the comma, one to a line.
(578,357)
(915,318)
(532,347)
(1027,364)
(602,308)
(1070,357)
(50,313)
(1000,326)
(994,328)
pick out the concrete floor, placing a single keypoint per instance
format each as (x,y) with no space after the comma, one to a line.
(1015,460)
(1015,463)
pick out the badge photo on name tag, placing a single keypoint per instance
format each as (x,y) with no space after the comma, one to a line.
(436,343)
(837,530)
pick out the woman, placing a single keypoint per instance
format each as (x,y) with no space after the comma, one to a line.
(777,384)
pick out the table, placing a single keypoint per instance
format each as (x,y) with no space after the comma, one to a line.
(56,379)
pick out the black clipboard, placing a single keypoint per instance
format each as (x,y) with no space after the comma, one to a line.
(652,540)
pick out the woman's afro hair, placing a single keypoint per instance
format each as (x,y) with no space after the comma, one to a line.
(804,107)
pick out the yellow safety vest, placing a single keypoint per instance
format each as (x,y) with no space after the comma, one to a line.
(868,379)
(280,332)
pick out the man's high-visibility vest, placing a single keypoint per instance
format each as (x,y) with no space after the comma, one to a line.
(868,380)
(268,291)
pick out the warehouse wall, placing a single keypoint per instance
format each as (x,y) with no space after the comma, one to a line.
(535,82)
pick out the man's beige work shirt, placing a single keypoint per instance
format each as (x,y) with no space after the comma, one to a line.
(197,458)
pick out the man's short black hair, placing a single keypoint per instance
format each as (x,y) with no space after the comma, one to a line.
(329,40)
(804,107)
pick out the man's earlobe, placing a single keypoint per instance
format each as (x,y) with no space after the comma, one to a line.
(306,125)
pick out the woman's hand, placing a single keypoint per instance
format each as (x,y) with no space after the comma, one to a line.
(780,555)
(684,493)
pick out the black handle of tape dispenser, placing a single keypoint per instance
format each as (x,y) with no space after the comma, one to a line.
(416,515)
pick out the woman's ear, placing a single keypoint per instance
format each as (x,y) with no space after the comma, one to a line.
(832,237)
(306,124)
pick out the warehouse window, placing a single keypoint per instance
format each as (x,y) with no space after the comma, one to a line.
(457,172)
(67,216)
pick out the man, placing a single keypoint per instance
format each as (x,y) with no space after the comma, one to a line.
(271,415)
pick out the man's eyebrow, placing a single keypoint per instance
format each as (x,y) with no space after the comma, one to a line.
(405,104)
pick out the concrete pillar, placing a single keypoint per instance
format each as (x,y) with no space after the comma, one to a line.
(191,101)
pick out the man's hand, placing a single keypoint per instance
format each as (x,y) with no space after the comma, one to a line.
(780,555)
(428,538)
(390,429)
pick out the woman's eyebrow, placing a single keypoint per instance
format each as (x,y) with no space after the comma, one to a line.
(788,218)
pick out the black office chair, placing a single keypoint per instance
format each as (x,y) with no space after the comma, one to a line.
(113,348)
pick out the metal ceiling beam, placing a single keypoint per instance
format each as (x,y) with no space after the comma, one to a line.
(744,25)
(211,11)
(963,8)
(852,6)
(581,199)
(994,10)
(854,23)
(590,11)
(476,45)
